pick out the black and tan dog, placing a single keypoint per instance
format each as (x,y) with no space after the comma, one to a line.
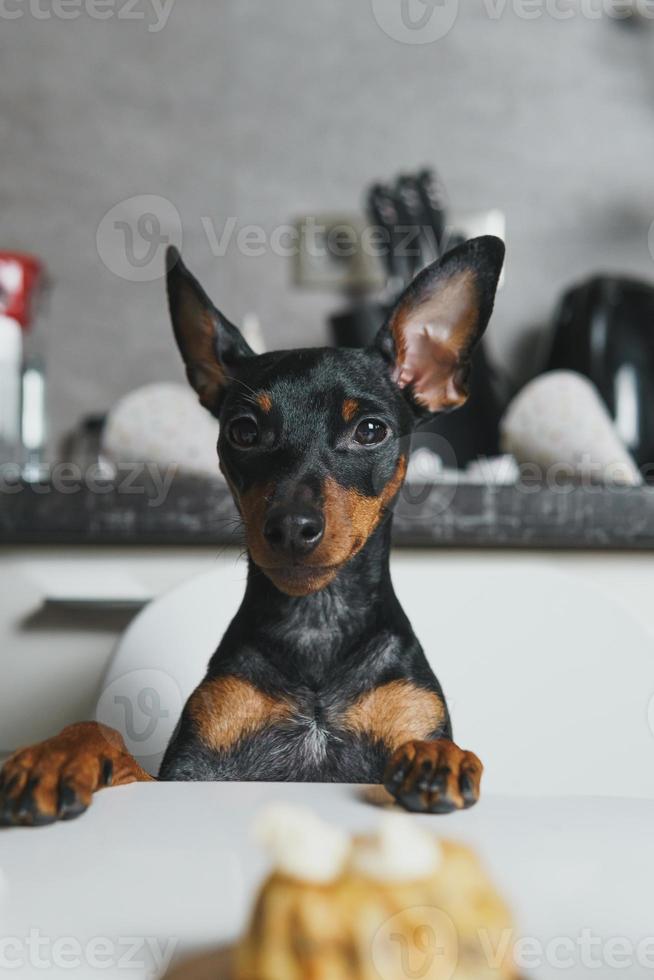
(319,676)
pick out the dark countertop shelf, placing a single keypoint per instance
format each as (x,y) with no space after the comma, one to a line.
(199,511)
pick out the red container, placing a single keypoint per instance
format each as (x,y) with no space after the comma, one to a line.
(22,281)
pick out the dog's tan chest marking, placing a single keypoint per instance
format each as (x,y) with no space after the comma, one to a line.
(226,709)
(395,713)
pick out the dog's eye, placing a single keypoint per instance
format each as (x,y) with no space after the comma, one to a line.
(370,432)
(243,433)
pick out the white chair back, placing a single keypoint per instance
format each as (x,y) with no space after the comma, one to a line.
(548,679)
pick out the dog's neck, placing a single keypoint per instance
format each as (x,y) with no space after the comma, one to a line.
(311,634)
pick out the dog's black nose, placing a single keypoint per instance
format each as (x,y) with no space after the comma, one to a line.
(293,532)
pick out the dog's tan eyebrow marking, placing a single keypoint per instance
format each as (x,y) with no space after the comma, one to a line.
(226,709)
(264,401)
(349,409)
(395,713)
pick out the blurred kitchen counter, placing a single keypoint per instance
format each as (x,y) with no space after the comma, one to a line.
(185,510)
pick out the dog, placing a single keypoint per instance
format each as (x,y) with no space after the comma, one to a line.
(319,676)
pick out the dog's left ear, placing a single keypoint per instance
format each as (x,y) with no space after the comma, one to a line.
(432,332)
(210,345)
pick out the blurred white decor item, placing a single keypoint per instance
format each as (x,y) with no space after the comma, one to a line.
(426,466)
(559,423)
(496,471)
(162,424)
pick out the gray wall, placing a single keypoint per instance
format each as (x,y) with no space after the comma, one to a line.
(263,109)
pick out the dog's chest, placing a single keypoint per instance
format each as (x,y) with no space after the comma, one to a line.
(311,744)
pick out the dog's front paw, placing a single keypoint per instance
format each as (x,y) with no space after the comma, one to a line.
(433,777)
(55,779)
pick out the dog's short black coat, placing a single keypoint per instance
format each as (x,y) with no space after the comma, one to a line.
(323,651)
(319,675)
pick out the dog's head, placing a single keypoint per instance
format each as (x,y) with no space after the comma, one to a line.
(313,443)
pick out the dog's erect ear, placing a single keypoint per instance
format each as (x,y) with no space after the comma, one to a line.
(431,333)
(210,345)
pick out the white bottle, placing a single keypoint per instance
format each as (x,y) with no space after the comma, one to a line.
(11,362)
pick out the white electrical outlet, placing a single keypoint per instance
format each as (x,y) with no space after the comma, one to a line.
(332,254)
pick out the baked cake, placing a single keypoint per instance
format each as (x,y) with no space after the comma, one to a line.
(395,906)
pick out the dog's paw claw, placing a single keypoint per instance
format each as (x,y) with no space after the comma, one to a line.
(70,805)
(107,775)
(433,777)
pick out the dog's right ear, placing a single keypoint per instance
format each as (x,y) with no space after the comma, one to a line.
(431,334)
(210,345)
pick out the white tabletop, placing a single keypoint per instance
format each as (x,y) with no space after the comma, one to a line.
(153,868)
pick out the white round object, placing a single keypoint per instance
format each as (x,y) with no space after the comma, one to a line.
(163,424)
(559,423)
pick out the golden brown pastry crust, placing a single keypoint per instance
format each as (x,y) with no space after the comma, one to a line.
(451,925)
